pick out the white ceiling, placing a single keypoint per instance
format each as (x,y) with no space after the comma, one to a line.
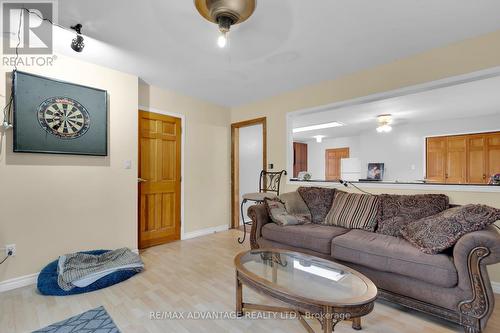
(283,46)
(472,99)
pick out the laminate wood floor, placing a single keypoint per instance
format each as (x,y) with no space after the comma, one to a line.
(192,275)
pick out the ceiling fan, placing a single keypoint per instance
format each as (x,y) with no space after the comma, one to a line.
(225,13)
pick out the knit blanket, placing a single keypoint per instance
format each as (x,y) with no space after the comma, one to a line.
(79,269)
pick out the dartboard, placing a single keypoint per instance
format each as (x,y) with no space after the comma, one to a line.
(63,117)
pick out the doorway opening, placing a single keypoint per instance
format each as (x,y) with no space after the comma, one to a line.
(248,159)
(159,179)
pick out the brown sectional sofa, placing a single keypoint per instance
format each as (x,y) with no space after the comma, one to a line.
(453,285)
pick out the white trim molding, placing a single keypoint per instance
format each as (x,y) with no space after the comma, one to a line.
(19,282)
(204,232)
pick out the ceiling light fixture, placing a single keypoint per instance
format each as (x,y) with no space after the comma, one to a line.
(384,123)
(77,43)
(319,138)
(225,13)
(317,127)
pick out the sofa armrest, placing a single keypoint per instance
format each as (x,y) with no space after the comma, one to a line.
(471,254)
(472,243)
(259,216)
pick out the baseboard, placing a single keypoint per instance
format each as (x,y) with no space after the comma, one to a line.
(18,282)
(496,287)
(204,232)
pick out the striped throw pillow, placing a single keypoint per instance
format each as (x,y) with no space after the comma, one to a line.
(353,211)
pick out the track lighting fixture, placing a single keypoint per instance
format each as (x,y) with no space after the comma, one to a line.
(77,43)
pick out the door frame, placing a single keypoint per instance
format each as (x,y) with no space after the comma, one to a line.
(183,140)
(235,161)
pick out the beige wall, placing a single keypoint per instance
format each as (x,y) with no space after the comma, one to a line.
(54,204)
(459,58)
(207,156)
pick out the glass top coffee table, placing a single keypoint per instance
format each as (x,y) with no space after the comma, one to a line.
(312,287)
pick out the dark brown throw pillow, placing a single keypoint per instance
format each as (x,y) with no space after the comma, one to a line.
(319,201)
(279,215)
(437,233)
(396,211)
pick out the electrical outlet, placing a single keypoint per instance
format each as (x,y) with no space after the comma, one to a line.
(10,247)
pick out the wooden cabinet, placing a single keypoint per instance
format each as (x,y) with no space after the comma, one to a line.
(456,160)
(463,159)
(436,160)
(299,158)
(476,159)
(493,154)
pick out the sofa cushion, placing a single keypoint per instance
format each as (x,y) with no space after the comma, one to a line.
(294,204)
(310,236)
(439,232)
(394,255)
(395,211)
(353,211)
(279,215)
(319,201)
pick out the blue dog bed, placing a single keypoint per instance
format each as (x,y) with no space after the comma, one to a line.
(47,279)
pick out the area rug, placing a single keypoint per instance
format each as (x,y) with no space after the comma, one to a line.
(93,321)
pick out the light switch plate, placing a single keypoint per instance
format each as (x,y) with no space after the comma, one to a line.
(127,164)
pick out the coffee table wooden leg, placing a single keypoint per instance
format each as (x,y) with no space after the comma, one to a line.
(356,323)
(239,297)
(327,320)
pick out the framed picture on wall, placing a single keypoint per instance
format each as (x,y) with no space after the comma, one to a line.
(375,171)
(57,117)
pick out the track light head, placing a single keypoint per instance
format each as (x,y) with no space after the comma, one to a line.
(77,44)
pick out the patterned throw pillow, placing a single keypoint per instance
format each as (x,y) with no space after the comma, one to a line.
(354,211)
(396,211)
(277,211)
(437,233)
(319,201)
(294,204)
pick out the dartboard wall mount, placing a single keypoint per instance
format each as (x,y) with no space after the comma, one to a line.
(57,117)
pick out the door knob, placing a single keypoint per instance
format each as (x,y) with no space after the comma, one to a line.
(141,180)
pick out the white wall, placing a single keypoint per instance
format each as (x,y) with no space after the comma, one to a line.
(402,150)
(316,153)
(55,204)
(250,153)
(207,166)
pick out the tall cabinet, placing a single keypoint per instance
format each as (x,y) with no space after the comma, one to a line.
(463,159)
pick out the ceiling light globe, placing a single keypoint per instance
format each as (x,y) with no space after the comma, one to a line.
(384,129)
(222,40)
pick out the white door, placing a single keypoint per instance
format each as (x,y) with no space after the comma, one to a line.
(251,155)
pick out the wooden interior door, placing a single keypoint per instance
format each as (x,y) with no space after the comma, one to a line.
(299,158)
(476,159)
(159,179)
(456,160)
(332,162)
(436,160)
(493,154)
